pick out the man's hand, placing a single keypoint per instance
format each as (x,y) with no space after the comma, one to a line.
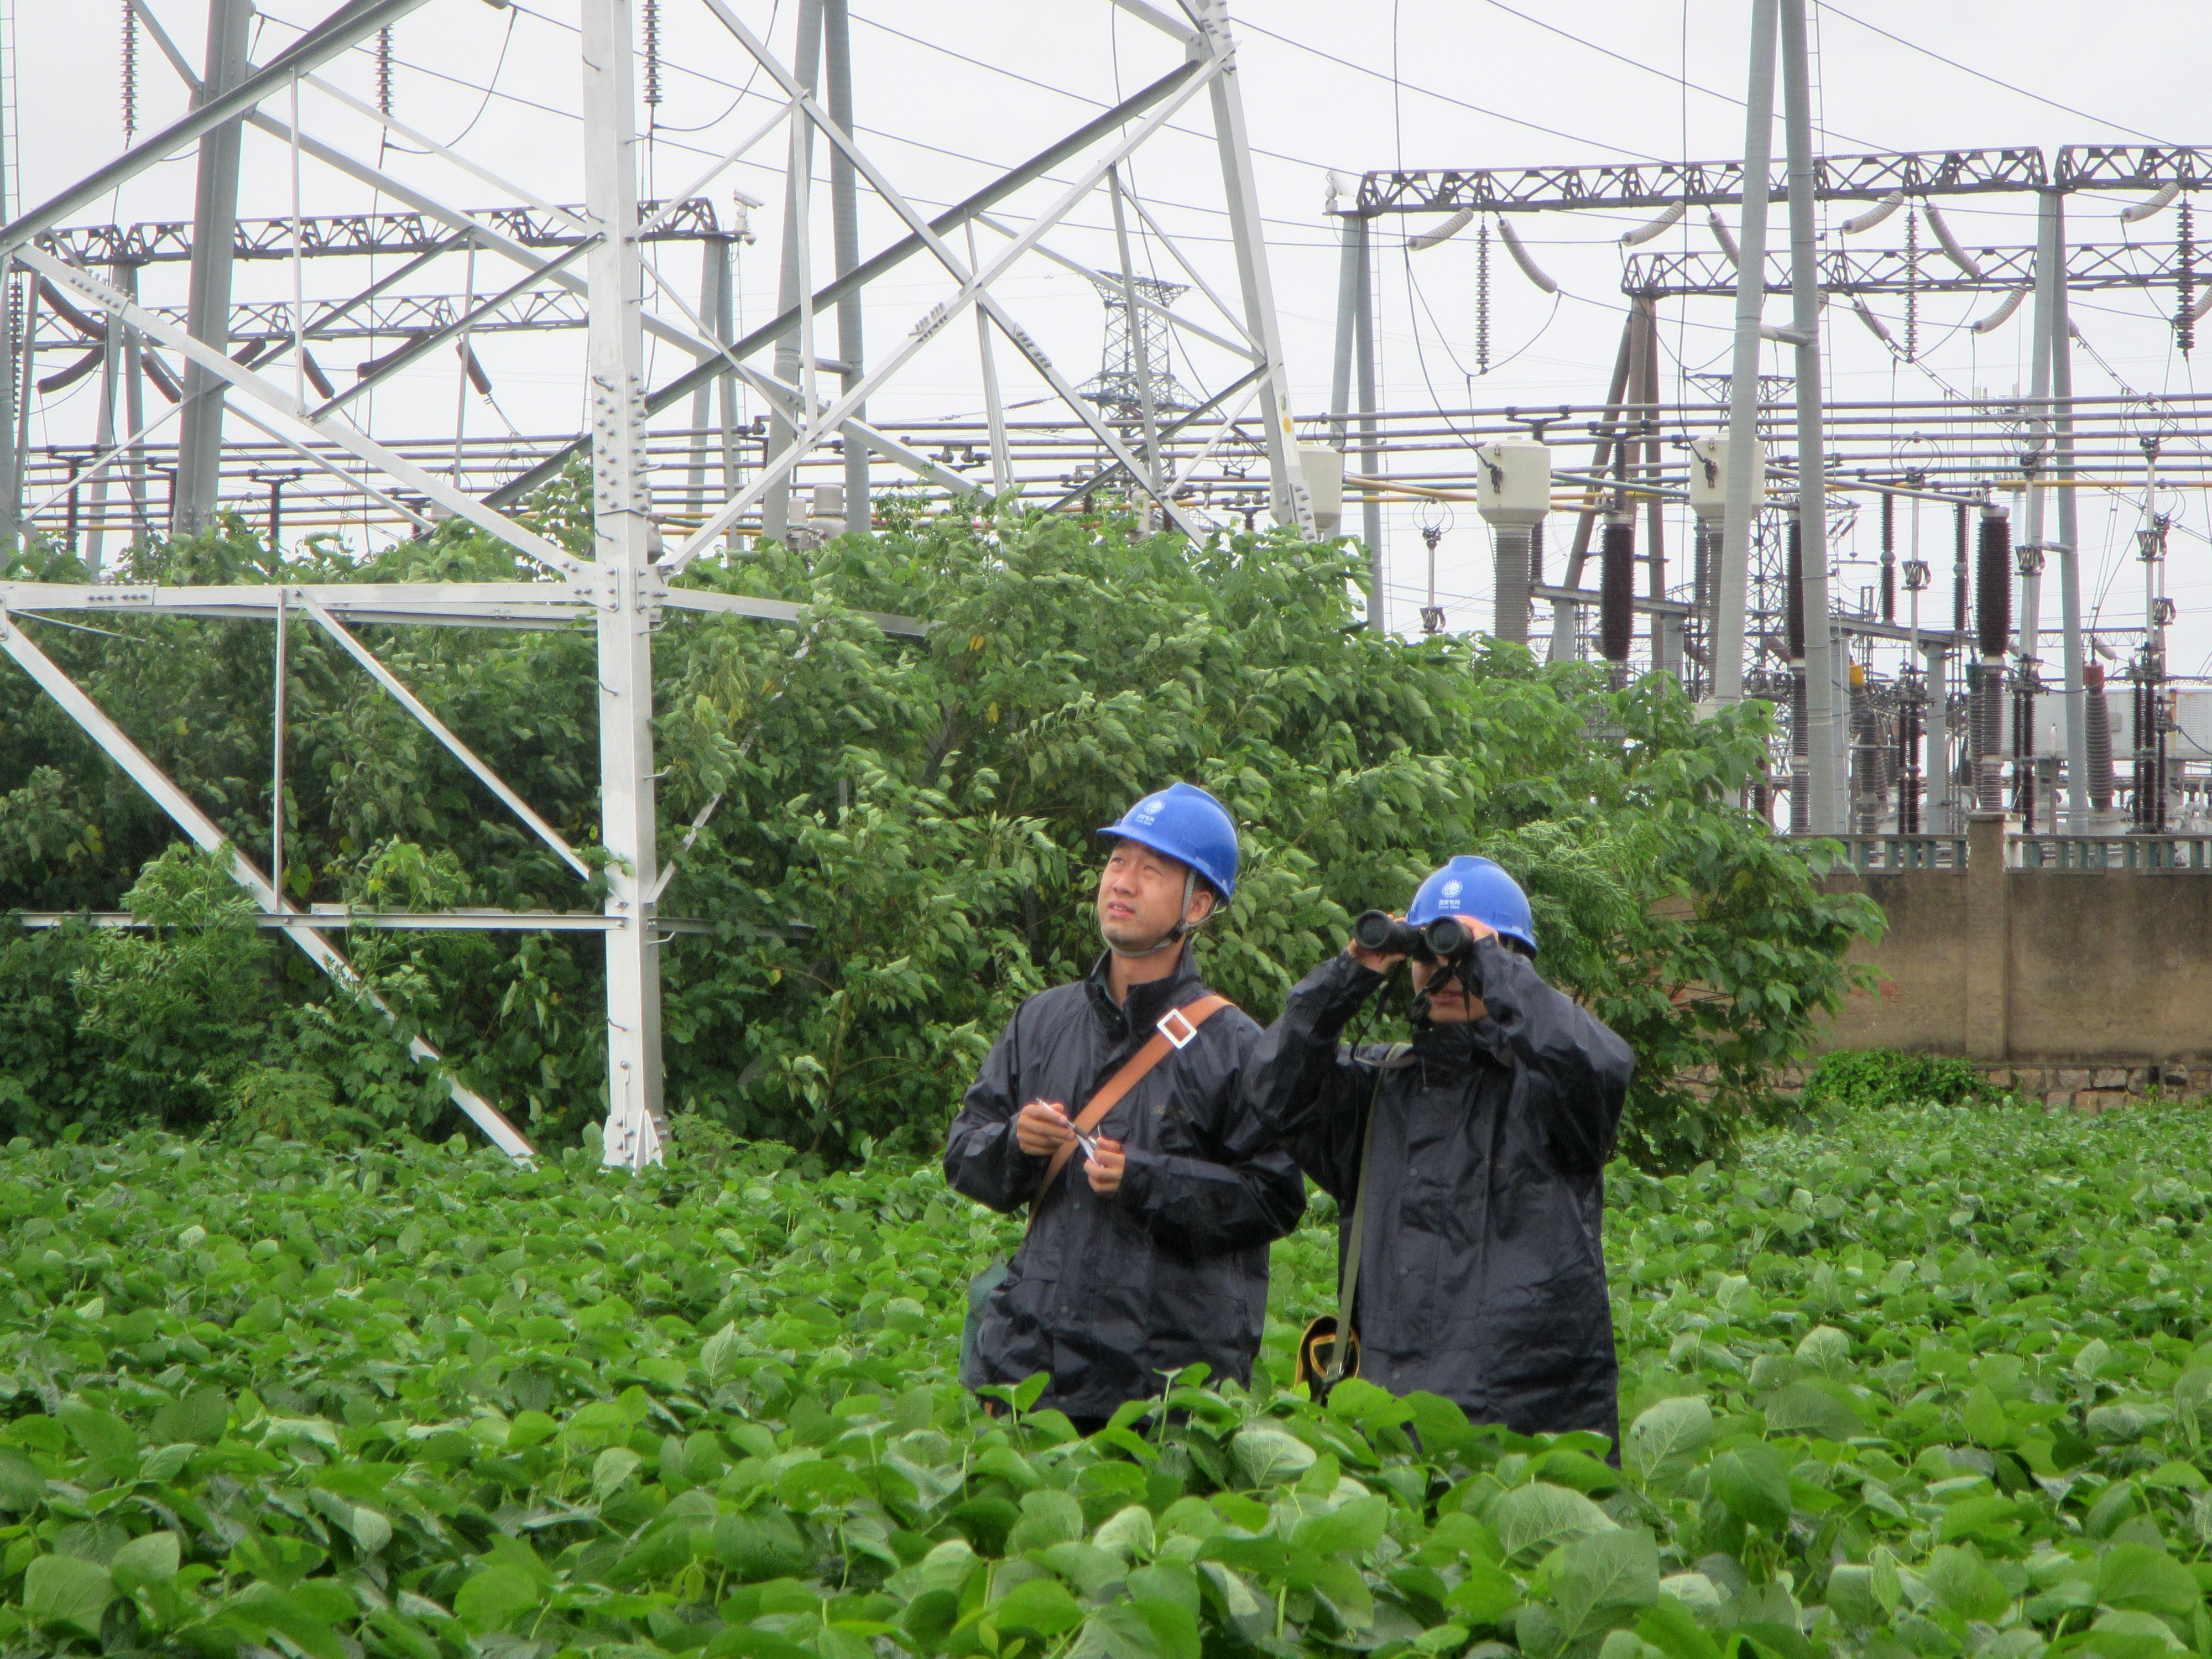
(1105,1169)
(1043,1128)
(1375,960)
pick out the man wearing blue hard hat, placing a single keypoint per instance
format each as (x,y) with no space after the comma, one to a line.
(1467,1165)
(1109,1107)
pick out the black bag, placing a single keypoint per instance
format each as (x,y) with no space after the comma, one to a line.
(1323,1361)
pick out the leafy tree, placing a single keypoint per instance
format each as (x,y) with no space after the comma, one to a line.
(903,832)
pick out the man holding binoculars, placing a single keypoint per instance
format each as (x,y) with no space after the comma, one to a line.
(1467,1168)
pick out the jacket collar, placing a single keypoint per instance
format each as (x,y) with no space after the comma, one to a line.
(1149,1002)
(1447,1052)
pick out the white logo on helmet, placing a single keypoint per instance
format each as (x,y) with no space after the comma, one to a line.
(1146,810)
(1454,888)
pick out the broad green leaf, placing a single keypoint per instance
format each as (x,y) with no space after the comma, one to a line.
(2145,1579)
(1041,1605)
(1351,1529)
(21,1486)
(1753,1481)
(1984,1417)
(145,1560)
(1048,1518)
(1664,1439)
(1153,1629)
(1268,1457)
(1532,1518)
(1963,1583)
(1127,1532)
(487,1601)
(1485,1596)
(60,1590)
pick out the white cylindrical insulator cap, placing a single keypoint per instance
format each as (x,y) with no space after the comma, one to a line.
(1513,482)
(1324,471)
(1709,463)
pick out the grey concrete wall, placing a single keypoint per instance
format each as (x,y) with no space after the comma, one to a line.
(2100,968)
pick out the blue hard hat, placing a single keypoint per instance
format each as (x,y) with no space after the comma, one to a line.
(1188,825)
(1476,887)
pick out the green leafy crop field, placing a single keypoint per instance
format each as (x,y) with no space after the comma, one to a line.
(1921,1383)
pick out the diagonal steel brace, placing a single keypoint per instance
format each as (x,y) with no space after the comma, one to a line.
(438,729)
(209,837)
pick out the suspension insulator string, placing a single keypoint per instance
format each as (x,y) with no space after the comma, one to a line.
(384,70)
(649,17)
(2184,281)
(130,72)
(1482,295)
(1911,287)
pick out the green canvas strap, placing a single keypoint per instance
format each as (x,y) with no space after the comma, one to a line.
(1348,1284)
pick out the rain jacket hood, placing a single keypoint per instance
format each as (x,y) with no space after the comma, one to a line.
(1107,1293)
(1482,1270)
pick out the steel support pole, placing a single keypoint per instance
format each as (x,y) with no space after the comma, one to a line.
(133,406)
(1740,509)
(1147,409)
(1347,305)
(2069,558)
(1564,644)
(1830,811)
(1287,496)
(1363,348)
(111,387)
(1942,800)
(845,236)
(215,230)
(806,66)
(2050,277)
(994,406)
(726,278)
(702,400)
(629,600)
(15,286)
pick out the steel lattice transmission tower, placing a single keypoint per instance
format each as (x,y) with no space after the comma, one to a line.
(1136,355)
(629,585)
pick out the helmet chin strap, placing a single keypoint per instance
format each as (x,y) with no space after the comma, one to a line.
(1174,936)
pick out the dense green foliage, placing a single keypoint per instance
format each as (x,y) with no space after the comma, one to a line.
(927,808)
(1850,1079)
(1925,1385)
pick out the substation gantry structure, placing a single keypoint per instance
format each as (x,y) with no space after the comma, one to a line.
(1644,449)
(590,263)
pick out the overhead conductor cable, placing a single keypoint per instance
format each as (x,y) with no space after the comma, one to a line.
(1444,232)
(1957,255)
(1721,234)
(2158,204)
(1529,268)
(1644,234)
(2003,314)
(1875,214)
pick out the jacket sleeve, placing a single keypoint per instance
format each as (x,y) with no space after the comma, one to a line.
(1300,1092)
(981,1159)
(1248,1194)
(1583,1064)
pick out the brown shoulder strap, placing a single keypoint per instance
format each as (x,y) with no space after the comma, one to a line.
(1175,1030)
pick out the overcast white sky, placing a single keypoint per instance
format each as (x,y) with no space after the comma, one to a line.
(947,94)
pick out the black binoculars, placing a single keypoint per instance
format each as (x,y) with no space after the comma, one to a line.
(1441,941)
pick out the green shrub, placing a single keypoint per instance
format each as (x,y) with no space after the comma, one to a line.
(1854,1080)
(927,808)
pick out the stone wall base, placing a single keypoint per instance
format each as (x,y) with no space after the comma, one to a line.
(2082,1088)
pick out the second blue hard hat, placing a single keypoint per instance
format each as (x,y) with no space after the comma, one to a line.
(1476,887)
(1188,825)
